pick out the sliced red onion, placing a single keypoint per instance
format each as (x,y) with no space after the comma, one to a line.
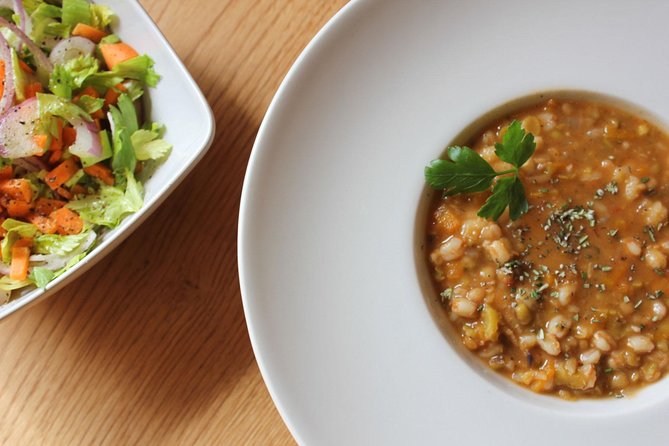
(23,17)
(7,98)
(17,128)
(4,269)
(88,142)
(55,262)
(71,48)
(40,58)
(31,164)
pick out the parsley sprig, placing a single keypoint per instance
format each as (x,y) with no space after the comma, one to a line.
(465,172)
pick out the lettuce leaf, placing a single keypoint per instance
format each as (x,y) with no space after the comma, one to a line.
(7,284)
(90,104)
(101,16)
(123,158)
(149,146)
(76,11)
(68,77)
(45,24)
(111,204)
(52,105)
(139,68)
(59,244)
(20,78)
(16,230)
(41,276)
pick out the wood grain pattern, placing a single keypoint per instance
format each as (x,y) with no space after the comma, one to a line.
(151,347)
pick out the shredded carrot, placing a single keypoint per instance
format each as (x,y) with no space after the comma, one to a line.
(18,269)
(61,173)
(32,89)
(17,189)
(45,206)
(3,231)
(89,32)
(115,53)
(6,172)
(102,172)
(69,136)
(67,221)
(44,224)
(18,209)
(25,67)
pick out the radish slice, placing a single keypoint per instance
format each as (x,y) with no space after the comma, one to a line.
(71,48)
(8,93)
(40,58)
(88,143)
(17,129)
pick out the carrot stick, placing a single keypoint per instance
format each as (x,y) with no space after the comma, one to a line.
(102,172)
(17,189)
(115,53)
(61,173)
(69,136)
(67,221)
(32,89)
(89,32)
(25,67)
(18,269)
(6,172)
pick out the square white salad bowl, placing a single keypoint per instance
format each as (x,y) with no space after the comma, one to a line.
(176,102)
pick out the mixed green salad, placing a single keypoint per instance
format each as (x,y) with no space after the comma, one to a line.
(73,138)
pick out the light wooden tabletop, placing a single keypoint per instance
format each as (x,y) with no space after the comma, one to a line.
(151,346)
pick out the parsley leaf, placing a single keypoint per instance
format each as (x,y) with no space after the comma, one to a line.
(499,200)
(465,171)
(517,146)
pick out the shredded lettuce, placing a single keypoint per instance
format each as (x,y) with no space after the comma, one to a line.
(52,105)
(111,204)
(139,68)
(16,230)
(149,145)
(60,245)
(76,11)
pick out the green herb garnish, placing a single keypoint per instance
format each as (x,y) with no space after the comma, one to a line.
(466,172)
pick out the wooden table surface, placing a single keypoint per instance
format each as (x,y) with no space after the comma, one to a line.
(151,346)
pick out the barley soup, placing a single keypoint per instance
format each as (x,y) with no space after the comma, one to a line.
(571,298)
